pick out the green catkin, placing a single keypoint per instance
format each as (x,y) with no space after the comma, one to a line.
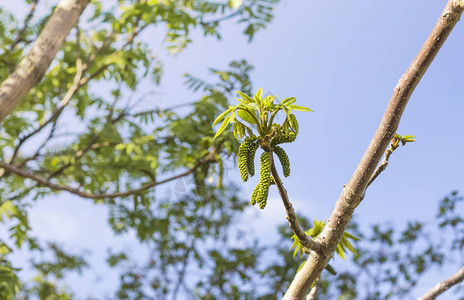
(264,180)
(242,158)
(284,161)
(254,194)
(251,157)
(283,138)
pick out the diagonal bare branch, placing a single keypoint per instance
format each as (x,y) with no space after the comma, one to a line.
(443,286)
(353,192)
(33,67)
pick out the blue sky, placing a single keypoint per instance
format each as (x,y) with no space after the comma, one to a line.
(342,59)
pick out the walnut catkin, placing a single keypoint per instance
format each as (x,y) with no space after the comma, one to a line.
(284,161)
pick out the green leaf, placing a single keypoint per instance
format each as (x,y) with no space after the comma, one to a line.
(340,252)
(223,126)
(294,123)
(241,101)
(237,131)
(295,242)
(288,101)
(245,115)
(299,108)
(350,247)
(351,236)
(258,96)
(221,116)
(330,269)
(232,117)
(235,3)
(296,251)
(245,97)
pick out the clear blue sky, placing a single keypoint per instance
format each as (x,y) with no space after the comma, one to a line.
(342,59)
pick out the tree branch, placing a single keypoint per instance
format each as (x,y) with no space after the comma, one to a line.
(45,182)
(21,33)
(33,67)
(443,286)
(304,239)
(313,292)
(353,192)
(57,112)
(383,165)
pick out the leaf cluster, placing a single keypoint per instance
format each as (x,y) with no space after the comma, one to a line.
(318,226)
(258,112)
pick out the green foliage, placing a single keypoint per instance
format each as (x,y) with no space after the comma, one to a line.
(259,112)
(9,282)
(115,139)
(110,137)
(342,247)
(403,139)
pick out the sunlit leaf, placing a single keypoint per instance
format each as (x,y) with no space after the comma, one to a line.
(299,108)
(221,116)
(245,97)
(223,126)
(245,115)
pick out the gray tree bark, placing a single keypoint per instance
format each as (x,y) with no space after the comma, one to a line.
(443,286)
(353,191)
(32,68)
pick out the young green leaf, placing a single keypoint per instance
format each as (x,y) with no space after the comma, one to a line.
(299,108)
(288,101)
(294,123)
(237,130)
(258,95)
(223,126)
(245,97)
(245,115)
(351,236)
(330,269)
(221,116)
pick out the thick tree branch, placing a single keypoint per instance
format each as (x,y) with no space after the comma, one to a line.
(443,286)
(353,192)
(33,67)
(304,239)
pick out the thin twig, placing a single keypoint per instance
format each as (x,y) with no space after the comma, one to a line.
(180,279)
(218,20)
(21,33)
(304,239)
(443,286)
(383,165)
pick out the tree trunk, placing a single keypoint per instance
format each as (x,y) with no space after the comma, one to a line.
(32,68)
(353,192)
